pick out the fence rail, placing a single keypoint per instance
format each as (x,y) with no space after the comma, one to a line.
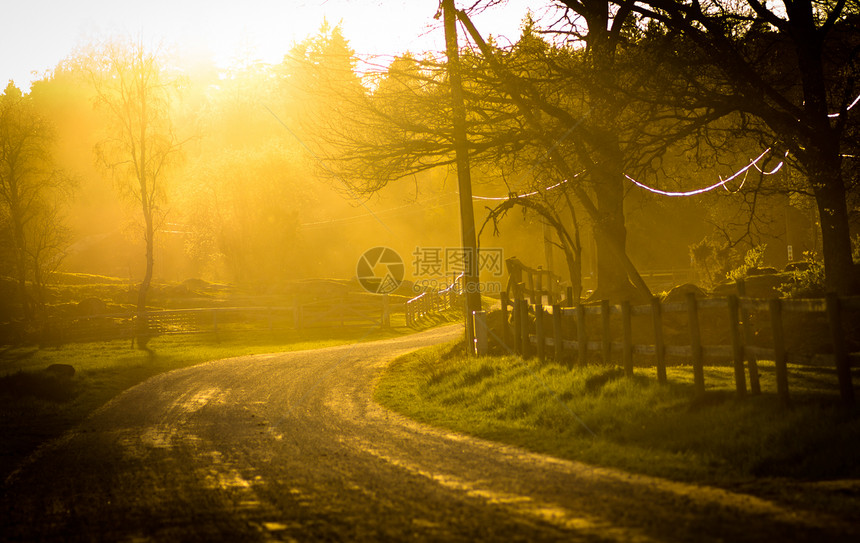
(740,331)
(348,310)
(434,301)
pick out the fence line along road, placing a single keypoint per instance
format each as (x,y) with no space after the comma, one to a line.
(434,301)
(352,309)
(754,329)
(348,310)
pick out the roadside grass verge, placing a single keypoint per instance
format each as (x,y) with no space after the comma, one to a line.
(596,415)
(36,407)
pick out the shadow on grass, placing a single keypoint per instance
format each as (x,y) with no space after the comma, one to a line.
(595,382)
(41,385)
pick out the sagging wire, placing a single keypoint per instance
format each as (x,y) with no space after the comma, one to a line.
(854,103)
(721,183)
(317,224)
(776,168)
(514,195)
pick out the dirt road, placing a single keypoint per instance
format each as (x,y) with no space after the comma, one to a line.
(291,447)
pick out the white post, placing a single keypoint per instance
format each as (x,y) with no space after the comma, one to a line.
(480,332)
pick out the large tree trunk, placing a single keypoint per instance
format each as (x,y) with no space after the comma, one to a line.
(830,196)
(613,273)
(150,263)
(822,153)
(142,333)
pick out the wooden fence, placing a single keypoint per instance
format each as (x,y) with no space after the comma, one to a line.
(434,301)
(535,284)
(754,329)
(663,279)
(354,309)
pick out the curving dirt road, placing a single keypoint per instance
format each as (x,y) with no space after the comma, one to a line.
(291,447)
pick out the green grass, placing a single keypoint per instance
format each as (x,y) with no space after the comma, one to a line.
(35,408)
(596,415)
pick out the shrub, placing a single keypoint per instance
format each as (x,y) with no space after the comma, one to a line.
(753,259)
(806,281)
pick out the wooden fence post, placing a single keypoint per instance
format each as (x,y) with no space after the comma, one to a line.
(517,317)
(843,369)
(531,287)
(506,329)
(607,330)
(627,322)
(737,346)
(539,289)
(581,337)
(557,334)
(524,329)
(480,327)
(775,307)
(755,384)
(659,345)
(539,332)
(696,343)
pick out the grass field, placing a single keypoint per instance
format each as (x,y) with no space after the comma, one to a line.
(35,407)
(596,415)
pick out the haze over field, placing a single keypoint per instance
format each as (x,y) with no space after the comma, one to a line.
(279,141)
(668,190)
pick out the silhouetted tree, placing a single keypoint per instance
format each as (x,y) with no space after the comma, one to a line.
(134,89)
(788,71)
(29,186)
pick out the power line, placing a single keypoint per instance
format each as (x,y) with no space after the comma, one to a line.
(721,183)
(854,103)
(513,195)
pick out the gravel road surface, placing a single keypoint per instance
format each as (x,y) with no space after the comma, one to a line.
(290,447)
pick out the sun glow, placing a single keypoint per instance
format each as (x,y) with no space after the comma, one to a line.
(36,35)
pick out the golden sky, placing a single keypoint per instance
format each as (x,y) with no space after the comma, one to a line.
(36,34)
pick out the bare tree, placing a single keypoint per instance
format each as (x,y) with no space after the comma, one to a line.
(549,212)
(515,118)
(134,89)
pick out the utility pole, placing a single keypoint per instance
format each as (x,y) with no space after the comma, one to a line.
(467,215)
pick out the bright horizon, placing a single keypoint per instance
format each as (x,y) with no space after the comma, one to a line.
(37,35)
